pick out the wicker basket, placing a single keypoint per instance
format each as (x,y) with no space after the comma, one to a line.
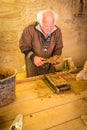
(7,85)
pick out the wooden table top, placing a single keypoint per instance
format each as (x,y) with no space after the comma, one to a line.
(44,110)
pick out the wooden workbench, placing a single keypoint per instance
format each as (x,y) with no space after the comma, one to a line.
(44,110)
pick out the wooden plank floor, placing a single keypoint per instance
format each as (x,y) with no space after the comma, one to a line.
(44,110)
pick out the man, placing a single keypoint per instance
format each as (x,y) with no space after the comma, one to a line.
(41,41)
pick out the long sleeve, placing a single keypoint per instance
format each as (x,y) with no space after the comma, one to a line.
(25,42)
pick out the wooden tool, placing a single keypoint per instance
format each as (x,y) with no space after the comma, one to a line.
(57,83)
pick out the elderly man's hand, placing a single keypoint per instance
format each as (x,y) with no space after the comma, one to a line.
(38,61)
(55,60)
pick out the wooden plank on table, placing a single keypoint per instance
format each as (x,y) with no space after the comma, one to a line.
(47,118)
(75,124)
(38,104)
(29,79)
(55,116)
(39,77)
(39,88)
(32,90)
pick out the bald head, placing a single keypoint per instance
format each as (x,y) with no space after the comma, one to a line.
(46,13)
(48,17)
(47,20)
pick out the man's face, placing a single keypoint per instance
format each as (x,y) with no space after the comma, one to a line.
(47,24)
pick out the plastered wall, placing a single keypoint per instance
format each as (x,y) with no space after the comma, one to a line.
(15,15)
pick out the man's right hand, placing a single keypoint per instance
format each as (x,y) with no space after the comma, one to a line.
(38,61)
